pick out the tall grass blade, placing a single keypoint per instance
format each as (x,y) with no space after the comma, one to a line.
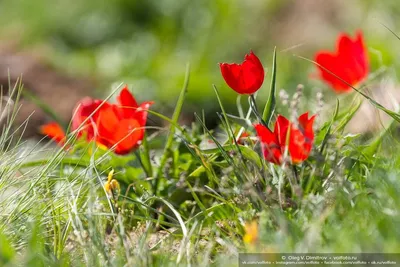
(271,103)
(389,112)
(175,118)
(328,131)
(228,127)
(395,34)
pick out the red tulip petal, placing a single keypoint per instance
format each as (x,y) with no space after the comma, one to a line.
(127,103)
(82,111)
(125,98)
(54,131)
(335,66)
(361,55)
(348,56)
(86,109)
(359,59)
(299,146)
(121,134)
(128,136)
(301,138)
(269,143)
(253,73)
(106,125)
(281,130)
(232,74)
(306,125)
(141,112)
(256,68)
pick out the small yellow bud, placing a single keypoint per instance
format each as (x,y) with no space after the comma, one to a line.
(107,187)
(110,175)
(115,185)
(112,186)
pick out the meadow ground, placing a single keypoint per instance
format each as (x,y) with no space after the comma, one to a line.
(192,196)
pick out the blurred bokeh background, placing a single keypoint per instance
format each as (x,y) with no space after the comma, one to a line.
(76,48)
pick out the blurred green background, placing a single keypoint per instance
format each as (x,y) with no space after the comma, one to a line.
(147,43)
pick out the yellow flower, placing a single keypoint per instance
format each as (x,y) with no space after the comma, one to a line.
(251,232)
(112,185)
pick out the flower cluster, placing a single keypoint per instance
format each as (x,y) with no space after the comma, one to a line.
(342,70)
(247,78)
(121,126)
(297,138)
(114,126)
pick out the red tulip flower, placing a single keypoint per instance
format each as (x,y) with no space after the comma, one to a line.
(120,127)
(245,78)
(349,62)
(296,137)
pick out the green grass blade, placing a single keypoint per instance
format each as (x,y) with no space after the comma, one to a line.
(175,124)
(346,119)
(196,198)
(176,213)
(219,146)
(231,138)
(271,103)
(66,161)
(374,145)
(395,34)
(175,118)
(247,153)
(145,157)
(328,131)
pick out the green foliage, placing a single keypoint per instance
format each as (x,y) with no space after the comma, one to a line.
(188,201)
(146,43)
(59,213)
(270,106)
